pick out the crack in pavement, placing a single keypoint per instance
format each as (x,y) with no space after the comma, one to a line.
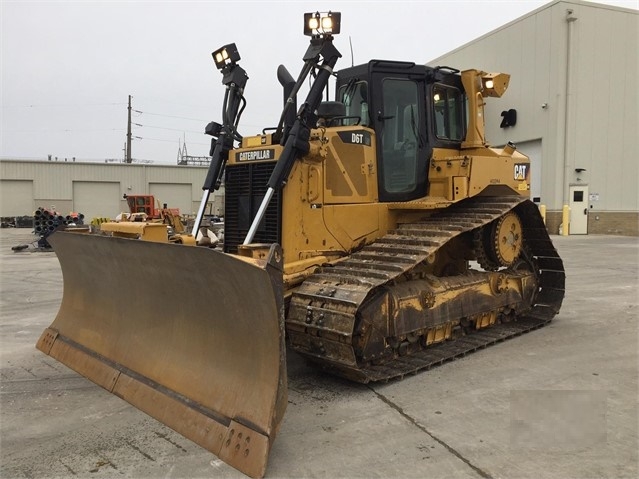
(455,453)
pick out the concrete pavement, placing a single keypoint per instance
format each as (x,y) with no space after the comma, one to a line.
(560,402)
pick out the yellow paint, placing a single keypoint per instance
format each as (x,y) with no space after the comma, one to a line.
(565,218)
(155,232)
(542,211)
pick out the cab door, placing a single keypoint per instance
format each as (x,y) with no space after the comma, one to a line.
(399,121)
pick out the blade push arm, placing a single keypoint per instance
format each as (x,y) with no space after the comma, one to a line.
(224,135)
(296,140)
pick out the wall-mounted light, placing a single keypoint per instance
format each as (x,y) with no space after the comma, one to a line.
(580,170)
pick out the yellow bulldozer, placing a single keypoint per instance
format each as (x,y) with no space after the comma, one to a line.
(376,234)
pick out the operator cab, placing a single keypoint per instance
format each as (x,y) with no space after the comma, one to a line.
(413,109)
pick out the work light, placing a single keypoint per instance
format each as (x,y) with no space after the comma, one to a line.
(319,24)
(227,55)
(494,84)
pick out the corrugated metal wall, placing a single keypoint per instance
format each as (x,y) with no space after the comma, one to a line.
(53,184)
(601,95)
(16,196)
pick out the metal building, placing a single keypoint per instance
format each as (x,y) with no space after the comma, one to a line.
(97,189)
(571,106)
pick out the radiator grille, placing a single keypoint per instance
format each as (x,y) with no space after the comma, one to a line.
(245,187)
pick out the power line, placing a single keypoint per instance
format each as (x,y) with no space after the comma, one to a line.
(61,105)
(65,130)
(168,141)
(163,101)
(155,139)
(165,128)
(169,116)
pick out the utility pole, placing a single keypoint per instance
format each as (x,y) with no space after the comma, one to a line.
(127,159)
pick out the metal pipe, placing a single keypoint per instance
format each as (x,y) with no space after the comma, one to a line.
(570,19)
(259,216)
(200,212)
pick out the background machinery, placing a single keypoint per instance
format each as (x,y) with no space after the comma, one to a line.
(378,233)
(148,208)
(147,221)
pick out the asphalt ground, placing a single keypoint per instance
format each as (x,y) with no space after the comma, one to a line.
(559,402)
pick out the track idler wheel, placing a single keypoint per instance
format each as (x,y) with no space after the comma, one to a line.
(499,243)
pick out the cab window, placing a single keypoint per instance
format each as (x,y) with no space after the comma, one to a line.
(400,135)
(448,105)
(354,96)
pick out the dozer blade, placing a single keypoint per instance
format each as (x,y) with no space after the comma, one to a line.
(191,336)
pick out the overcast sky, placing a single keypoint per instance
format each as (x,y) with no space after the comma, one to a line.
(68,67)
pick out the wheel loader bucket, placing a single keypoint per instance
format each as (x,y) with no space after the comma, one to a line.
(191,336)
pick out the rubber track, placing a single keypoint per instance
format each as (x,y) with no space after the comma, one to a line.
(341,289)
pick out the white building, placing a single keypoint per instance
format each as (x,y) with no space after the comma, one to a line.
(574,87)
(97,189)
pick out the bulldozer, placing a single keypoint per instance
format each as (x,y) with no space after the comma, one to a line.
(378,233)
